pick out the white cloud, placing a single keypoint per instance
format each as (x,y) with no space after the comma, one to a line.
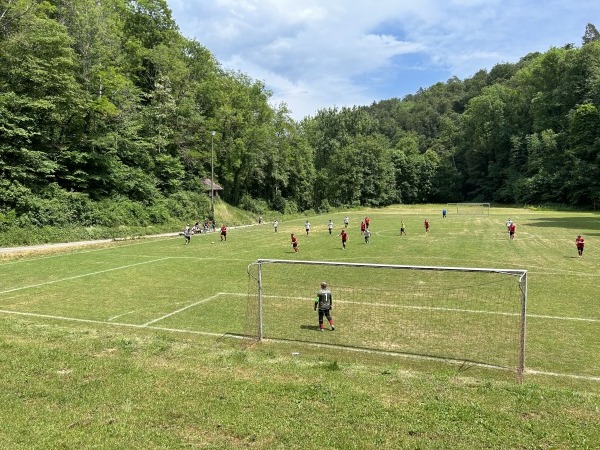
(314,54)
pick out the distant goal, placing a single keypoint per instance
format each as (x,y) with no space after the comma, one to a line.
(470,316)
(470,208)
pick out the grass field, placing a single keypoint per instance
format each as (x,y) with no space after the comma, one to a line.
(136,344)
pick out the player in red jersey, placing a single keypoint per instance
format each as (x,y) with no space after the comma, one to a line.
(580,243)
(223,233)
(426,224)
(363,227)
(294,242)
(511,230)
(344,236)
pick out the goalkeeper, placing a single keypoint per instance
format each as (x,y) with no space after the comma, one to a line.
(324,303)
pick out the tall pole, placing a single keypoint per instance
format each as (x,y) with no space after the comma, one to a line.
(212,176)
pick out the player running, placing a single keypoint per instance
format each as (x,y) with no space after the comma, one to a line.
(294,243)
(344,236)
(223,233)
(330,226)
(580,243)
(187,233)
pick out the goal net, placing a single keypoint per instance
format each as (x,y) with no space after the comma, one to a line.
(463,315)
(470,208)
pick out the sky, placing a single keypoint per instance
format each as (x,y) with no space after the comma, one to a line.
(319,54)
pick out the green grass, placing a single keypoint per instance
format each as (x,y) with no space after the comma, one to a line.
(130,345)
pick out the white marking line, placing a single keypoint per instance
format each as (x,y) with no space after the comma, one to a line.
(568,375)
(110,319)
(82,276)
(102,322)
(181,309)
(218,294)
(431,358)
(433,308)
(206,333)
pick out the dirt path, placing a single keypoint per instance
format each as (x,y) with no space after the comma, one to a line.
(49,247)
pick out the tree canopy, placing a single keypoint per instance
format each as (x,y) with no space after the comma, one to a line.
(105,103)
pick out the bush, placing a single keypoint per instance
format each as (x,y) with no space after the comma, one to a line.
(256,206)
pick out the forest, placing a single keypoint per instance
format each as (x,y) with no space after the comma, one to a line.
(107,114)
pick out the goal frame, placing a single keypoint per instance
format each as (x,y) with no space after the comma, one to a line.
(520,273)
(467,204)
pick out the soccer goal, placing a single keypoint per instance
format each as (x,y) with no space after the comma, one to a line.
(470,208)
(460,315)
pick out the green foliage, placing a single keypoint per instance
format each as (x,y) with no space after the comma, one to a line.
(255,206)
(108,102)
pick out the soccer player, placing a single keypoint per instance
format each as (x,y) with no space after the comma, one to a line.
(511,230)
(294,243)
(426,224)
(324,303)
(402,230)
(223,233)
(307,227)
(187,233)
(344,236)
(508,224)
(275,225)
(367,236)
(367,223)
(330,226)
(580,243)
(443,213)
(346,221)
(363,227)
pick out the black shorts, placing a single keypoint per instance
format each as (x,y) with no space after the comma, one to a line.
(326,313)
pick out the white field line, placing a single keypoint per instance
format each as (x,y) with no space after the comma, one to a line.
(31,286)
(568,375)
(103,322)
(430,308)
(182,309)
(110,319)
(314,344)
(218,294)
(431,358)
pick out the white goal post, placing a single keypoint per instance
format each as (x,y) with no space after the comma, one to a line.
(465,315)
(471,208)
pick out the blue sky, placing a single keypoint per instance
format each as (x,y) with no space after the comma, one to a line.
(315,54)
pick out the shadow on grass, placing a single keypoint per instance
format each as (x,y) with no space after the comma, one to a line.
(573,223)
(310,327)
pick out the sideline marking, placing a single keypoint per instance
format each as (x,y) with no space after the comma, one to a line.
(81,276)
(120,324)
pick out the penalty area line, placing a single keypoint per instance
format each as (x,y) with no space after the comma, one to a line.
(212,297)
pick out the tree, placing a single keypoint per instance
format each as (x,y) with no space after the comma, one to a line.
(591,34)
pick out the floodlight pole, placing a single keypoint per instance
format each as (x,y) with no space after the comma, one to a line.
(212,176)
